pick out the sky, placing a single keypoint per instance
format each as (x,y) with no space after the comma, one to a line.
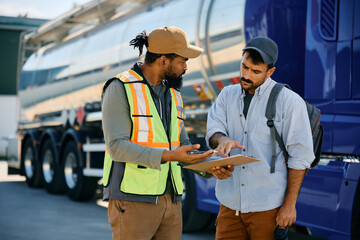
(45,9)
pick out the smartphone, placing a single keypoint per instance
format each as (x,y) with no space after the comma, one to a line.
(199,152)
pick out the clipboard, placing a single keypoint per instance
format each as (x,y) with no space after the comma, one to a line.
(219,161)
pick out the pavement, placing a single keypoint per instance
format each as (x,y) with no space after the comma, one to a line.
(33,214)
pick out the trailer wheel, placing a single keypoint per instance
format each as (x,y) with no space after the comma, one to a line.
(52,176)
(193,219)
(78,187)
(355,221)
(31,166)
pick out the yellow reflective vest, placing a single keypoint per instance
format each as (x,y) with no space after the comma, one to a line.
(148,130)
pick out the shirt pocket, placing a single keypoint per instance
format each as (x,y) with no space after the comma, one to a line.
(143,122)
(262,131)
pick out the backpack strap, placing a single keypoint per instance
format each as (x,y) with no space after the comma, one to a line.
(270,114)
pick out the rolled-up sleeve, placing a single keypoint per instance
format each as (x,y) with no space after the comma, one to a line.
(116,124)
(297,133)
(216,120)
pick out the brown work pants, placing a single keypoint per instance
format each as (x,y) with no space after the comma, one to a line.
(145,221)
(253,225)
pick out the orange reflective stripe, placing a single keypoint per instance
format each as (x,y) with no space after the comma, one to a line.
(136,112)
(135,102)
(106,150)
(135,75)
(150,133)
(153,144)
(175,143)
(173,91)
(122,77)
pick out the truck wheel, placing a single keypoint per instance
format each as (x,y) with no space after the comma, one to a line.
(52,176)
(30,165)
(355,221)
(193,219)
(78,187)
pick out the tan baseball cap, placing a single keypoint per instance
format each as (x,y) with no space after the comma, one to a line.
(168,40)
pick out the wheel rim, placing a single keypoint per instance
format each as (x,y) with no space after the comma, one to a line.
(71,177)
(29,162)
(48,166)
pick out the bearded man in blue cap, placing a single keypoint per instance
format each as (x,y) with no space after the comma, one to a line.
(259,197)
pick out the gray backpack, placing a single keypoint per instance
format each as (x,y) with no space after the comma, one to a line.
(314,118)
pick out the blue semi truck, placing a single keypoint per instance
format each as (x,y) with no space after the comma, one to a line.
(59,142)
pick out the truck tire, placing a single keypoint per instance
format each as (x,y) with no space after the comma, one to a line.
(51,170)
(193,219)
(31,166)
(355,221)
(78,187)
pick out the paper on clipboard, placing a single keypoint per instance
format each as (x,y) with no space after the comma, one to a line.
(218,161)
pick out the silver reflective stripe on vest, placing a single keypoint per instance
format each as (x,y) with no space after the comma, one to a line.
(180,104)
(143,133)
(140,97)
(174,147)
(180,108)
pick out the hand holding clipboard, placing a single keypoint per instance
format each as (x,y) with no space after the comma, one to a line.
(222,162)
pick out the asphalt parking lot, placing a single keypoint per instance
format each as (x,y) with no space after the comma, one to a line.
(33,214)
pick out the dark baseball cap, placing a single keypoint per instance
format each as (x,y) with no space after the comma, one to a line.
(267,48)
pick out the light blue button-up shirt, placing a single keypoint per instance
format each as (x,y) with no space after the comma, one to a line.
(252,188)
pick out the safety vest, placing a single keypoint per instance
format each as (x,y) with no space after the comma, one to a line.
(148,130)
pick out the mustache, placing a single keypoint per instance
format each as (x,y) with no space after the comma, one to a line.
(246,80)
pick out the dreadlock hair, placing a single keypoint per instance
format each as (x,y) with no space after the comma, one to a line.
(142,39)
(257,58)
(139,41)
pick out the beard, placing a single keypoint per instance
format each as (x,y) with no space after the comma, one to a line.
(175,82)
(249,82)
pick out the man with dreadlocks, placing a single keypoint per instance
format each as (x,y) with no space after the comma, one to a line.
(144,132)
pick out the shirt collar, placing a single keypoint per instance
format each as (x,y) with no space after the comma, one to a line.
(137,69)
(242,95)
(261,89)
